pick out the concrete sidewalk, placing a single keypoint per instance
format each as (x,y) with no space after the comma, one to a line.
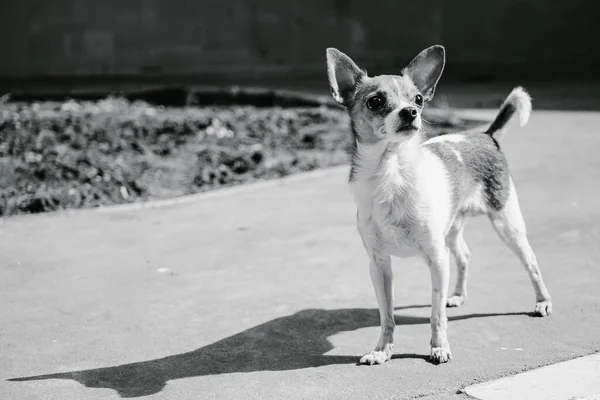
(265,293)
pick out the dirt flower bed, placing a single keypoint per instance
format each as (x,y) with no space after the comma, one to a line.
(59,155)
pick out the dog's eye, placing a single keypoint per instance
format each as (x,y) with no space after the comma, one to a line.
(375,103)
(419,100)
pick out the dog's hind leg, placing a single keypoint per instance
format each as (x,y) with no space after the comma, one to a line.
(459,249)
(381,275)
(509,224)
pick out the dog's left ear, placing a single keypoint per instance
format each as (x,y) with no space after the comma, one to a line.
(426,69)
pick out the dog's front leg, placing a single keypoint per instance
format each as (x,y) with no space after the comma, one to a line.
(437,257)
(380,268)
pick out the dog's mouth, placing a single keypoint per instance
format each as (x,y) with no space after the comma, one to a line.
(407,128)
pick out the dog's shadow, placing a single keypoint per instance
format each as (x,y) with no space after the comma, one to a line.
(287,343)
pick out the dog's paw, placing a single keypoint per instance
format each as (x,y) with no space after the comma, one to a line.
(455,301)
(381,354)
(375,357)
(440,354)
(543,308)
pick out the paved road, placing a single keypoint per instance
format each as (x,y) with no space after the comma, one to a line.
(265,292)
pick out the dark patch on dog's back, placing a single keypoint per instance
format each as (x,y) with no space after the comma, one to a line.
(487,163)
(482,161)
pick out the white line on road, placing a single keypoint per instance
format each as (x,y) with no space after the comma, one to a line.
(577,379)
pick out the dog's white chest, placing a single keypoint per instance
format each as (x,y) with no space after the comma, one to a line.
(399,207)
(386,224)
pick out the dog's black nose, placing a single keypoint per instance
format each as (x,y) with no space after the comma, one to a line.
(408,114)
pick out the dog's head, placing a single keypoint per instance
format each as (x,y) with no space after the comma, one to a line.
(385,107)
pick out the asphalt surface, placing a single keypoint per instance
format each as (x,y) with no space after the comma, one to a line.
(264,292)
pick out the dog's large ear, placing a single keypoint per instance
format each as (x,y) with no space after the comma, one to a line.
(343,75)
(426,69)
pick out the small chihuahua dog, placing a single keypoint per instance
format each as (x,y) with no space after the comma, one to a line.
(414,194)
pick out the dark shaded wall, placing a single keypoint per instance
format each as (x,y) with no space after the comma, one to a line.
(233,40)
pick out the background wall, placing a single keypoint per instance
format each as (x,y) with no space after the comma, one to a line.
(230,41)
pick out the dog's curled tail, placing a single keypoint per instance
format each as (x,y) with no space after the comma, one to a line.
(517,101)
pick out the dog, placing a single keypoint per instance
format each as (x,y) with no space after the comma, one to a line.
(413,193)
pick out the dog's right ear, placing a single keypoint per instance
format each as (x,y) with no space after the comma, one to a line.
(343,75)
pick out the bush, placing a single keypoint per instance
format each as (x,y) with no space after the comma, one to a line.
(58,155)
